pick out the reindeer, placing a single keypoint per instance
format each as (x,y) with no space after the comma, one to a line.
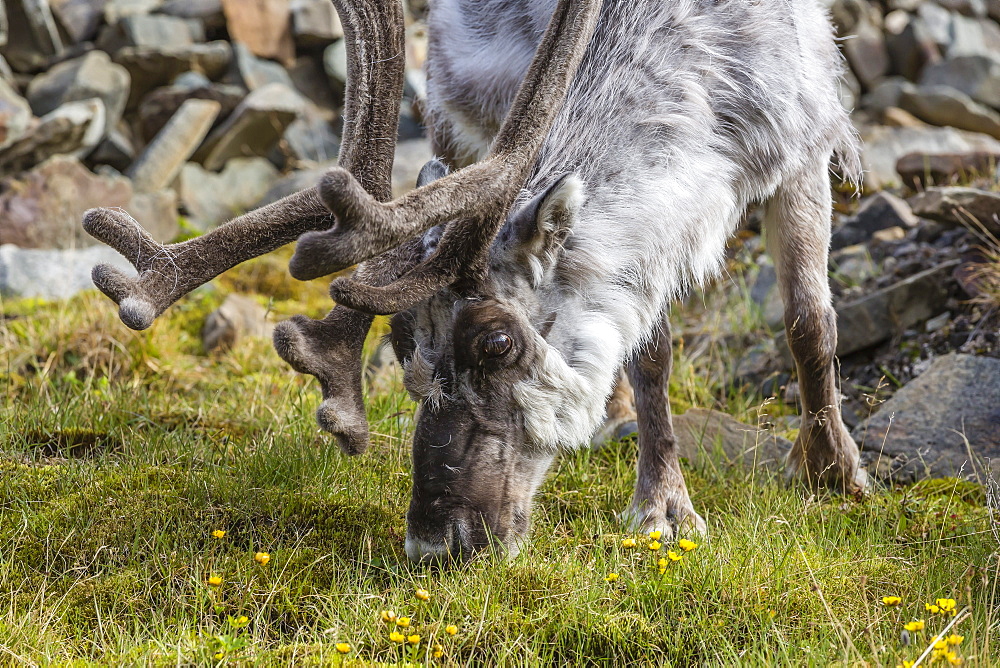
(603,154)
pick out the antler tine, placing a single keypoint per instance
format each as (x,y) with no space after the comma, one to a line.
(479,194)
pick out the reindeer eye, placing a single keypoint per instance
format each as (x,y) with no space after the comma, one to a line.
(496,344)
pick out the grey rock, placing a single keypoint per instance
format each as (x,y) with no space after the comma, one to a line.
(765,294)
(32,36)
(211,199)
(237,318)
(946,422)
(884,94)
(965,7)
(115,150)
(6,74)
(310,138)
(885,313)
(944,105)
(884,146)
(710,437)
(293,183)
(880,212)
(160,105)
(157,212)
(153,30)
(91,75)
(15,115)
(938,22)
(335,63)
(163,158)
(910,44)
(315,23)
(866,52)
(254,128)
(310,80)
(920,171)
(53,274)
(411,155)
(255,72)
(80,19)
(151,67)
(73,129)
(209,12)
(853,264)
(976,76)
(973,37)
(116,10)
(3,24)
(960,206)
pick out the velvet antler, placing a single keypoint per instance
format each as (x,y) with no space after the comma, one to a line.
(473,202)
(374,35)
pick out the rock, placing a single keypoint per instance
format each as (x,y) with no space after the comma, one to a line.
(895,117)
(43,208)
(211,199)
(884,146)
(53,274)
(976,76)
(115,150)
(910,45)
(411,155)
(116,10)
(208,12)
(254,128)
(335,63)
(943,105)
(238,317)
(164,157)
(706,436)
(315,23)
(15,115)
(973,37)
(885,313)
(153,67)
(884,94)
(263,25)
(965,7)
(157,212)
(159,106)
(959,206)
(153,31)
(866,52)
(91,75)
(73,129)
(255,72)
(33,36)
(853,264)
(311,81)
(920,171)
(946,422)
(3,25)
(79,19)
(293,183)
(310,138)
(879,212)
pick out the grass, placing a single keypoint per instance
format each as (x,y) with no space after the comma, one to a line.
(122,452)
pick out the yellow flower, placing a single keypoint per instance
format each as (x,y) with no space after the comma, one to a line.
(654,545)
(219,533)
(940,644)
(388,616)
(914,626)
(953,658)
(403,621)
(215,581)
(611,577)
(686,545)
(395,636)
(451,629)
(262,558)
(954,639)
(663,570)
(655,535)
(946,604)
(423,595)
(930,607)
(662,563)
(673,556)
(906,664)
(628,542)
(241,621)
(219,655)
(343,647)
(438,651)
(414,639)
(891,600)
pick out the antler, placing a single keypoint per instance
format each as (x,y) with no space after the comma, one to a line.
(374,34)
(473,201)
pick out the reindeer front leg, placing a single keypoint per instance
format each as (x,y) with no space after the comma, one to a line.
(661,500)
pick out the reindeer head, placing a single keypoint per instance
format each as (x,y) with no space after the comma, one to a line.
(468,330)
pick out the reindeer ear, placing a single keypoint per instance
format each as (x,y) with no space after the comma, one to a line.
(539,228)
